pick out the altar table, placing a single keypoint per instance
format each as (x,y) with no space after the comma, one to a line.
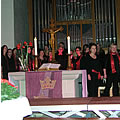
(74,82)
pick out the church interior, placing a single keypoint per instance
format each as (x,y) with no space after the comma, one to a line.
(62,57)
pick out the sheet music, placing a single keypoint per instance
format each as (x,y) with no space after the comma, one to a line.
(49,65)
(54,65)
(45,65)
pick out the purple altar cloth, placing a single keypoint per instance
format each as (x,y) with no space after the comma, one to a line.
(33,86)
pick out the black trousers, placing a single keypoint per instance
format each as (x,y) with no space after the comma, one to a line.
(112,78)
(93,85)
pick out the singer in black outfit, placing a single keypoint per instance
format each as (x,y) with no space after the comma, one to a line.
(94,71)
(113,71)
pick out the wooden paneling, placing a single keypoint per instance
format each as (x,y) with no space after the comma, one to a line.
(74,22)
(93,22)
(30,20)
(74,101)
(118,21)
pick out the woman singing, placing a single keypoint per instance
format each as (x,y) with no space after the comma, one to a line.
(94,71)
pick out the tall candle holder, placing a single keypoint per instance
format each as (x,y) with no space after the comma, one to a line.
(36,63)
(69,62)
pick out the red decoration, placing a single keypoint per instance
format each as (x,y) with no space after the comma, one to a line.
(112,61)
(18,46)
(60,52)
(25,43)
(6,81)
(30,44)
(99,75)
(23,47)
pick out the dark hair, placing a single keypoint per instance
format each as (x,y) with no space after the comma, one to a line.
(9,49)
(85,46)
(7,52)
(62,44)
(14,49)
(3,48)
(113,44)
(78,48)
(92,44)
(40,50)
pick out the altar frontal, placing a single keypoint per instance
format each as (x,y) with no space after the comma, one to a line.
(45,84)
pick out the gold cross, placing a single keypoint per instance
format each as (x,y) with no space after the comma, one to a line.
(52,30)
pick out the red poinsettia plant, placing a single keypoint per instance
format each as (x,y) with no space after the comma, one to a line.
(22,54)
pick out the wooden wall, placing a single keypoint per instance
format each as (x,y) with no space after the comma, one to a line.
(118,22)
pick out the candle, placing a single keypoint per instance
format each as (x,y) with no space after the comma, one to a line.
(35,45)
(68,38)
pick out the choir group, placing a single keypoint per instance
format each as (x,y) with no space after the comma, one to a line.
(92,58)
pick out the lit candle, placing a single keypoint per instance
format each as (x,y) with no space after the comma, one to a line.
(35,45)
(68,38)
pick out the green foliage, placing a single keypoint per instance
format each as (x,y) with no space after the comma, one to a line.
(8,92)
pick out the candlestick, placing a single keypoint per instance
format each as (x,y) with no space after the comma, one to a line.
(68,38)
(36,63)
(69,62)
(35,45)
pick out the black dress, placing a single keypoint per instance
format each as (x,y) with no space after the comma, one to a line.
(83,62)
(4,64)
(11,64)
(94,68)
(76,62)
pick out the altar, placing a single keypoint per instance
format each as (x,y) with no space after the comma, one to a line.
(73,84)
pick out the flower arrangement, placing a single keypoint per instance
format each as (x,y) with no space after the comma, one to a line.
(22,54)
(8,90)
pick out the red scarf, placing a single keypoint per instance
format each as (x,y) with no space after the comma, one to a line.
(112,61)
(99,75)
(60,52)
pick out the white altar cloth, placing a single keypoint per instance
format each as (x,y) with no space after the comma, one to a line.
(15,109)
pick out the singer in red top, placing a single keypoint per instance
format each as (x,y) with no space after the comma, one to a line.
(113,71)
(76,59)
